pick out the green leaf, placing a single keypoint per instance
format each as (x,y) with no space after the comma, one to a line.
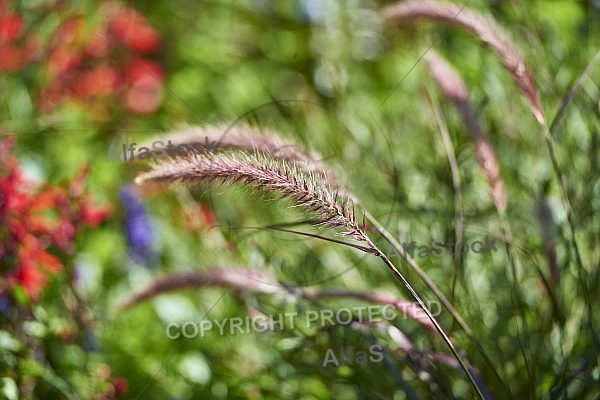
(9,389)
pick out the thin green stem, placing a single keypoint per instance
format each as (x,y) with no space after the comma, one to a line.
(438,293)
(435,323)
(458,217)
(415,267)
(512,257)
(582,272)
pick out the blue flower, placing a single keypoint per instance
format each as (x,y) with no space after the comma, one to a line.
(4,305)
(138,226)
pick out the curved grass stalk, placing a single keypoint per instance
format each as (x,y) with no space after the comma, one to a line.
(453,87)
(256,282)
(458,214)
(305,189)
(433,320)
(415,267)
(481,26)
(332,208)
(267,143)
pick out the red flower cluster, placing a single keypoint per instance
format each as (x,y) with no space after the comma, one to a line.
(95,64)
(15,55)
(31,222)
(118,387)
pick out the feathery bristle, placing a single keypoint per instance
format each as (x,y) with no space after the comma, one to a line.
(481,26)
(242,137)
(251,140)
(265,172)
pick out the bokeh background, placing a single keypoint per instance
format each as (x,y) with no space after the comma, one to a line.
(77,239)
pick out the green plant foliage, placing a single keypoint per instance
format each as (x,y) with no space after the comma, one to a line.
(338,142)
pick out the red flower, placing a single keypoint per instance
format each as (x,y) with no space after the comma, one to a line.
(63,61)
(143,99)
(62,236)
(97,46)
(145,39)
(93,215)
(121,386)
(46,200)
(69,33)
(100,81)
(145,92)
(131,29)
(11,27)
(78,62)
(12,189)
(35,266)
(50,96)
(143,72)
(12,58)
(33,221)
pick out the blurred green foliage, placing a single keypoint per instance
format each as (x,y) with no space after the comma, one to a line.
(318,73)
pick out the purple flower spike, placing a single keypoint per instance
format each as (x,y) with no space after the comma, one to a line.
(138,226)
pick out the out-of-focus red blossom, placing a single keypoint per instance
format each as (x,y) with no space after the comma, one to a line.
(130,28)
(92,214)
(143,72)
(50,96)
(144,93)
(35,219)
(97,46)
(69,33)
(208,216)
(200,217)
(100,81)
(143,99)
(14,57)
(35,264)
(78,62)
(120,385)
(11,27)
(61,61)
